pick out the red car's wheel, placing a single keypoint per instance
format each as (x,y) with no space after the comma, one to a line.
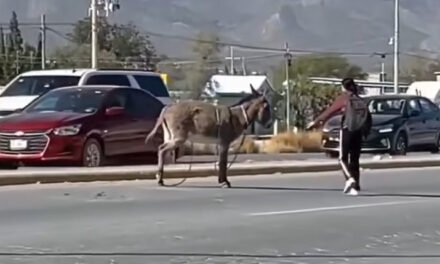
(93,155)
(8,166)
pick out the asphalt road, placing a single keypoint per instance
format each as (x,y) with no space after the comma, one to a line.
(302,218)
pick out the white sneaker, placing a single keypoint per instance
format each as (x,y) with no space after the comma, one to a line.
(349,184)
(353,192)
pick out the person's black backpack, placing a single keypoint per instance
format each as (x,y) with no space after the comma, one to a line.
(357,115)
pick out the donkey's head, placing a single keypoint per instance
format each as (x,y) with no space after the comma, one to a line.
(260,105)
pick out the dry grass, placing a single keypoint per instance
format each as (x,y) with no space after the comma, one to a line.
(311,142)
(248,146)
(293,143)
(281,143)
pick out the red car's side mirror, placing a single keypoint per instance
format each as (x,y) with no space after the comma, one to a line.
(114,111)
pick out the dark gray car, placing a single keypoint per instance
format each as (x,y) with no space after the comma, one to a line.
(401,123)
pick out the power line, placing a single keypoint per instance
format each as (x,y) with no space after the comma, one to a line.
(261,48)
(60,34)
(220,43)
(420,56)
(38,24)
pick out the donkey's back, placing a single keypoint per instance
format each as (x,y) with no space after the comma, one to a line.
(196,121)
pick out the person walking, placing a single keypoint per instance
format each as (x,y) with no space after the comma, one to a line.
(356,124)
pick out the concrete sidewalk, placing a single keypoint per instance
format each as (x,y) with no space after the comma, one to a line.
(57,175)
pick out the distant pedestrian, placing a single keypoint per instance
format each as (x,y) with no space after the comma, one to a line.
(355,126)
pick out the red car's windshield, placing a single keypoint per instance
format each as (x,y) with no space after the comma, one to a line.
(72,100)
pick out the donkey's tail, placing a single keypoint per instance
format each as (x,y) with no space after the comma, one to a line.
(159,122)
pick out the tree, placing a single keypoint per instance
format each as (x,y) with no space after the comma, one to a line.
(74,56)
(420,69)
(81,33)
(128,41)
(125,41)
(12,50)
(206,49)
(16,38)
(308,99)
(16,55)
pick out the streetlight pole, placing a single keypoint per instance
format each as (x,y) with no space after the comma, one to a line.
(107,6)
(43,41)
(288,57)
(94,44)
(396,46)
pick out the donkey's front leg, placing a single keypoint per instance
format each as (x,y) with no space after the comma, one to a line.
(223,166)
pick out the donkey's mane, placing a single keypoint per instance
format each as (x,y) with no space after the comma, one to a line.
(243,100)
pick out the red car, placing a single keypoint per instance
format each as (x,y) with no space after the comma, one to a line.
(80,125)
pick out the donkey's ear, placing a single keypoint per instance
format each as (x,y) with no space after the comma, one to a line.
(254,92)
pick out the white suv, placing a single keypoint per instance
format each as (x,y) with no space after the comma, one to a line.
(26,87)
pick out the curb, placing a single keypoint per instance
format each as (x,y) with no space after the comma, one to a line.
(175,173)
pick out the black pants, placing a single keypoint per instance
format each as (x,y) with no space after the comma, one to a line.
(350,153)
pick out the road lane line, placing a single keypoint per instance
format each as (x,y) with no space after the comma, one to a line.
(333,208)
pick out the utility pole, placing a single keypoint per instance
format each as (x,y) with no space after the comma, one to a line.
(396,46)
(108,6)
(382,77)
(94,44)
(288,57)
(231,71)
(243,65)
(43,41)
(31,54)
(17,62)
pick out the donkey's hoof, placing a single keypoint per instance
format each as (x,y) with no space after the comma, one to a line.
(160,183)
(225,184)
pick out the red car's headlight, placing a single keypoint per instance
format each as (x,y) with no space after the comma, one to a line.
(67,130)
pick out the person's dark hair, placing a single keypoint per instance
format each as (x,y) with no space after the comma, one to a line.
(349,85)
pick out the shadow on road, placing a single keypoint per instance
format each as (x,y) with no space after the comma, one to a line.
(266,188)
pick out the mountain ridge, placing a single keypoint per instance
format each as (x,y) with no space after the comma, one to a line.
(335,25)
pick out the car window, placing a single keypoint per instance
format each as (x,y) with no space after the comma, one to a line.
(108,79)
(48,103)
(117,99)
(77,101)
(152,84)
(427,106)
(413,105)
(38,85)
(386,106)
(143,105)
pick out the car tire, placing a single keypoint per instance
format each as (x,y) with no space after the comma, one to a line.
(93,154)
(400,146)
(436,148)
(9,166)
(332,154)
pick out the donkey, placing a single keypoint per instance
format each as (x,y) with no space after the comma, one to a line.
(202,122)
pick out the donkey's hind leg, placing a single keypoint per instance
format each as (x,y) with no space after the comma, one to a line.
(163,150)
(223,166)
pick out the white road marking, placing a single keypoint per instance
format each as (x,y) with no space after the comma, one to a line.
(333,208)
